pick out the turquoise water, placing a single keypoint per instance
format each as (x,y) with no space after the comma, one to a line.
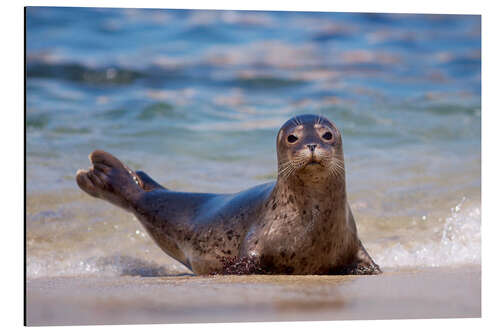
(195,98)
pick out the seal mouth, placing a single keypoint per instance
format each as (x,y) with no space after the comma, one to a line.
(313,163)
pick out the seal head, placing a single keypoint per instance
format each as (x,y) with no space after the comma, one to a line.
(309,147)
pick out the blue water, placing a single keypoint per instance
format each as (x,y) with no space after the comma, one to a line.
(195,98)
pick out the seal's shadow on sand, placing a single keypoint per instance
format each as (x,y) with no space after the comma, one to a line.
(130,266)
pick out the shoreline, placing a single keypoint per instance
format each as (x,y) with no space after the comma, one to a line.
(445,292)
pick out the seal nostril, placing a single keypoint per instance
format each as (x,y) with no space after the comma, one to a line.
(311,146)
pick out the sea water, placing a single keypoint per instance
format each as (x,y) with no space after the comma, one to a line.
(195,99)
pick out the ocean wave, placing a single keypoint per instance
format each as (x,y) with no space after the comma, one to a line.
(457,242)
(81,73)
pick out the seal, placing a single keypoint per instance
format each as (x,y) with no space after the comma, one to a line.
(299,224)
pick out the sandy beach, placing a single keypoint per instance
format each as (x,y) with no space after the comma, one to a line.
(425,293)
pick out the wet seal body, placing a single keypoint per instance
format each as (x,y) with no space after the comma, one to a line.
(300,224)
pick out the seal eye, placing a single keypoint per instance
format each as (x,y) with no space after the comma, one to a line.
(327,136)
(292,138)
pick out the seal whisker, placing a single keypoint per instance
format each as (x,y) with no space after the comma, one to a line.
(319,121)
(338,167)
(286,169)
(297,121)
(285,172)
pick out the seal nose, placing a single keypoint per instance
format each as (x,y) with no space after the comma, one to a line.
(311,147)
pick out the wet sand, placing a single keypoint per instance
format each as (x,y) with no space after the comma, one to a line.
(428,293)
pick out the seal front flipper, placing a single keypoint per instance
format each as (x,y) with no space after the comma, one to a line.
(364,264)
(109,179)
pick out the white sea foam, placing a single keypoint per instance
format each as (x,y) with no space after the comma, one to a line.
(114,265)
(458,242)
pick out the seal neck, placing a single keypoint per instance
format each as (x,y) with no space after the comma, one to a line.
(307,190)
(320,206)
